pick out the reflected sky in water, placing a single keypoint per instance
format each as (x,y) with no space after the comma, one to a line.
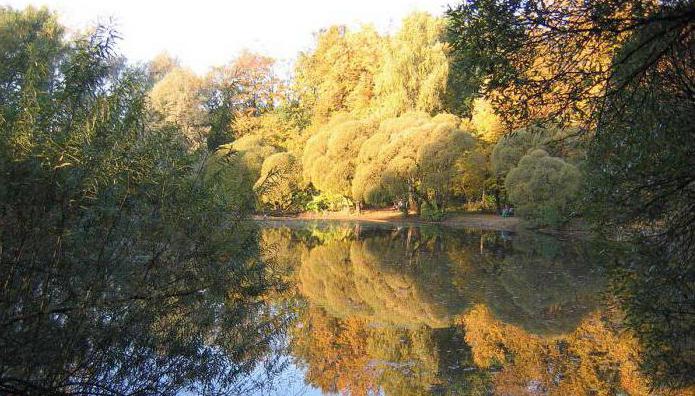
(346,308)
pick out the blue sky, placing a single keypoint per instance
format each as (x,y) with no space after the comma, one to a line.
(205,33)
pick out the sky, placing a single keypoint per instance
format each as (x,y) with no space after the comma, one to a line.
(205,33)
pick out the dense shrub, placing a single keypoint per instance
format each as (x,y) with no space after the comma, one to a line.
(544,189)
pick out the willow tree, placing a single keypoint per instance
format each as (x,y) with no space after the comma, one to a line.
(415,68)
(511,148)
(239,166)
(112,238)
(254,150)
(177,99)
(411,157)
(280,187)
(544,189)
(330,156)
(338,75)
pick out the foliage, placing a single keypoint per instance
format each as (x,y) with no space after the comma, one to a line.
(621,68)
(177,100)
(485,122)
(412,156)
(432,214)
(641,171)
(328,202)
(471,172)
(161,65)
(239,166)
(280,127)
(279,187)
(111,235)
(641,184)
(544,189)
(415,68)
(330,156)
(246,87)
(511,148)
(253,150)
(551,59)
(338,75)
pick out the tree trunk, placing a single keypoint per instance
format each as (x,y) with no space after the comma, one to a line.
(498,204)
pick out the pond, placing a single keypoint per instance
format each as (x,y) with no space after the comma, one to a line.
(358,309)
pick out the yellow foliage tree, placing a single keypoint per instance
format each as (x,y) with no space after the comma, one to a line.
(415,68)
(177,99)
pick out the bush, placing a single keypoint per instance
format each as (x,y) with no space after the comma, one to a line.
(544,189)
(328,202)
(431,213)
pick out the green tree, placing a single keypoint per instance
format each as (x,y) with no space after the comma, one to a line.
(415,68)
(411,157)
(177,100)
(110,234)
(544,189)
(330,156)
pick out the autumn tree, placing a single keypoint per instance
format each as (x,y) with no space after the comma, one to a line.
(544,189)
(330,156)
(338,75)
(415,68)
(161,65)
(177,99)
(413,156)
(541,60)
(245,88)
(485,123)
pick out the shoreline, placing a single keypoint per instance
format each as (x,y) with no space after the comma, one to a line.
(490,222)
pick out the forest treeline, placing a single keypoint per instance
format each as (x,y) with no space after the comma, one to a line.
(368,120)
(589,117)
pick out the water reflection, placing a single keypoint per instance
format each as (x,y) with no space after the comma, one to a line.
(418,276)
(131,328)
(426,310)
(359,310)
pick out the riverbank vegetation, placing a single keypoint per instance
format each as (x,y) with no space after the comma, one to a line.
(371,120)
(118,171)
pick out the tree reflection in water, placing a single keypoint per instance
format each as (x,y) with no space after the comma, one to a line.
(128,328)
(399,311)
(429,310)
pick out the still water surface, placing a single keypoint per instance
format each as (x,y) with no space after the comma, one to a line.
(356,309)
